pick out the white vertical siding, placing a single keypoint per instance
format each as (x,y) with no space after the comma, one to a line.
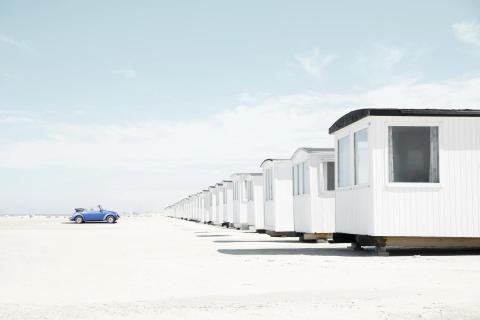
(219,196)
(323,202)
(449,209)
(239,206)
(268,205)
(258,200)
(353,204)
(279,211)
(283,196)
(228,207)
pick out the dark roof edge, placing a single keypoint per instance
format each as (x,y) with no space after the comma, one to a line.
(356,115)
(261,164)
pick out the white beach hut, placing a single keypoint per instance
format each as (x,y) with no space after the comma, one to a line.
(255,211)
(213,202)
(240,216)
(313,172)
(278,197)
(191,209)
(198,207)
(227,203)
(408,177)
(207,199)
(218,219)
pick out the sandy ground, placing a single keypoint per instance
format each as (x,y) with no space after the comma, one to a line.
(161,268)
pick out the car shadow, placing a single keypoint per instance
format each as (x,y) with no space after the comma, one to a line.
(89,222)
(296,252)
(347,252)
(257,241)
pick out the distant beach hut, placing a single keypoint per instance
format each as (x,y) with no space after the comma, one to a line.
(240,216)
(212,202)
(204,206)
(208,205)
(278,197)
(198,207)
(408,177)
(255,211)
(227,203)
(218,219)
(313,172)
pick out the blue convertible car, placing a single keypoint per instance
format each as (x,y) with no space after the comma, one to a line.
(82,215)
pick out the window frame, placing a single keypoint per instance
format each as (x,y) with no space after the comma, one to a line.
(306,177)
(244,188)
(268,187)
(349,163)
(354,183)
(294,180)
(300,179)
(415,185)
(323,177)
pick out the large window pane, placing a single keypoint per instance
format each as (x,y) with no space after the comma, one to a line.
(413,154)
(295,178)
(270,174)
(300,178)
(344,162)
(329,172)
(361,157)
(306,178)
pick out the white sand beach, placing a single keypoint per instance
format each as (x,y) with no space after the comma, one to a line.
(160,268)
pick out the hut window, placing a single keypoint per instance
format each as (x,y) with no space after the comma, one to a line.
(328,176)
(413,154)
(268,187)
(361,157)
(250,190)
(344,162)
(306,178)
(235,190)
(244,190)
(295,180)
(300,178)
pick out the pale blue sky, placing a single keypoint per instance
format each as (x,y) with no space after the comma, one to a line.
(134,104)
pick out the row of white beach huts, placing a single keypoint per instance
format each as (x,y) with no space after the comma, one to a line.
(395,177)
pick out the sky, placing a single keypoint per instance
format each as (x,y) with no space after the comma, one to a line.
(137,104)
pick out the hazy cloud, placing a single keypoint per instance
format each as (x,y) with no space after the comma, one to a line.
(15,43)
(277,125)
(314,63)
(468,32)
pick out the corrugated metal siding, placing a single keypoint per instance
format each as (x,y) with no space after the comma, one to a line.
(283,197)
(303,203)
(258,200)
(453,209)
(353,205)
(302,206)
(449,210)
(323,203)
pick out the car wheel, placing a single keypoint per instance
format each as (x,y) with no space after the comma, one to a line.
(78,219)
(110,219)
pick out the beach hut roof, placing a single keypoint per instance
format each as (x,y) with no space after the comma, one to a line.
(266,160)
(356,115)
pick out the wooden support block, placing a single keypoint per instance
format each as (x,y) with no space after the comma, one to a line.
(432,242)
(316,236)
